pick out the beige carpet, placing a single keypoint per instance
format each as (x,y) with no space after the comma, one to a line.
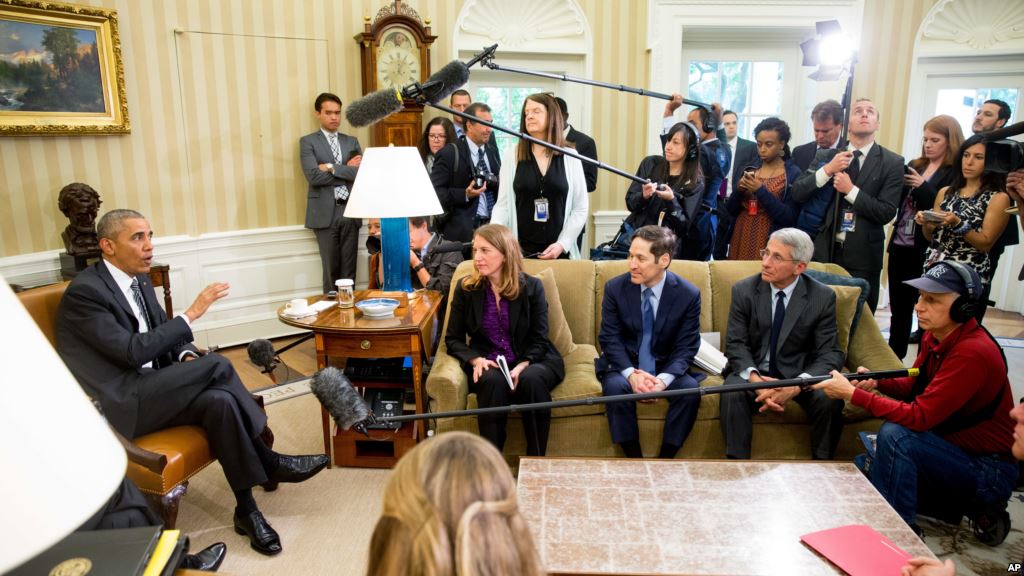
(325,523)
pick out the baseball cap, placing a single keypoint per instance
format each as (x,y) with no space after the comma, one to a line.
(943,277)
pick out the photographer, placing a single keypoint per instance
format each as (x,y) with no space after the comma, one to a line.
(968,217)
(465,177)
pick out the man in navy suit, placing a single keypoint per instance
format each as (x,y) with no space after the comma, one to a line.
(650,333)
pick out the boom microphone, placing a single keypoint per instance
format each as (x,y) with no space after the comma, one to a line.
(340,399)
(261,353)
(378,105)
(349,409)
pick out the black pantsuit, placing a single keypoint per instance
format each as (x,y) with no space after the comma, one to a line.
(535,385)
(905,263)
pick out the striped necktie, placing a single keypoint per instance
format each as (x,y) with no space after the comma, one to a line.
(141,303)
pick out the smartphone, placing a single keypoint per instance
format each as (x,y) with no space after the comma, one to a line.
(932,216)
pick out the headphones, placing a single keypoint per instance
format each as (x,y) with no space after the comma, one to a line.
(966,305)
(691,151)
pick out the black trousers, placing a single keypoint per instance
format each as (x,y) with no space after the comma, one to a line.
(905,263)
(738,408)
(872,276)
(215,400)
(724,231)
(339,248)
(535,385)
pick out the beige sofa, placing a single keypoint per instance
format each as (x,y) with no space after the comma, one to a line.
(583,430)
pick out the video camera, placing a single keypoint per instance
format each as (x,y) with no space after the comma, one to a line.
(1001,154)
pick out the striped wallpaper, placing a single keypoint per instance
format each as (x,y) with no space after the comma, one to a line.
(219,92)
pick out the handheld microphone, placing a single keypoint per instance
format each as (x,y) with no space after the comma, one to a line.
(378,105)
(261,353)
(340,399)
(349,409)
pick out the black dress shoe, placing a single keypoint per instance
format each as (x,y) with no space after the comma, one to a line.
(262,537)
(298,468)
(208,559)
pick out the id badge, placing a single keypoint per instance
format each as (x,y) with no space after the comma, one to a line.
(540,210)
(908,228)
(848,222)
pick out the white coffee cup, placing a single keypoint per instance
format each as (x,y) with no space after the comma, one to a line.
(296,307)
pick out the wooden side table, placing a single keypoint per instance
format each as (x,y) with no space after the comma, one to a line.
(346,333)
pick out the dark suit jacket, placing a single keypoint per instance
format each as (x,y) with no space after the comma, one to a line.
(586,146)
(528,315)
(450,183)
(803,155)
(676,336)
(808,341)
(98,339)
(746,155)
(441,260)
(314,150)
(880,182)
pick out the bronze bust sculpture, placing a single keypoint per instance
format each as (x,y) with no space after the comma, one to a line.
(80,203)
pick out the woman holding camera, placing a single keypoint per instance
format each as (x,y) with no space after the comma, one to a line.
(542,196)
(499,311)
(678,169)
(968,216)
(761,203)
(923,179)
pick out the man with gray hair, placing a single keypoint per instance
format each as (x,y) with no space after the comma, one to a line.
(782,324)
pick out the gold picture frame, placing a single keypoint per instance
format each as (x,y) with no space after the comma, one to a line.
(61,70)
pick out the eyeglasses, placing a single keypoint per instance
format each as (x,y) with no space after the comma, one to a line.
(436,136)
(775,256)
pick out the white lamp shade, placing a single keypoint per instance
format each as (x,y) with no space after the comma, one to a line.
(61,461)
(392,183)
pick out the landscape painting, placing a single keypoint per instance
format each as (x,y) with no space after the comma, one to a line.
(60,70)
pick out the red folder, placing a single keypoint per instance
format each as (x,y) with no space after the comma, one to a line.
(858,550)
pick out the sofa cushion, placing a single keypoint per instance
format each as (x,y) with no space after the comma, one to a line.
(577,295)
(558,329)
(846,307)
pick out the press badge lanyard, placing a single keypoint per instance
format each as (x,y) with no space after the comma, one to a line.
(540,205)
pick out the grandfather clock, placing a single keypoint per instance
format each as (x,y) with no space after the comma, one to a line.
(395,52)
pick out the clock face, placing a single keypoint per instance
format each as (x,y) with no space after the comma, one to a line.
(398,59)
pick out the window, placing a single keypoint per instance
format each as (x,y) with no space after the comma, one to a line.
(506,105)
(751,89)
(963,104)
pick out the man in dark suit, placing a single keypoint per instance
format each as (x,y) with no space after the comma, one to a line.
(583,144)
(146,374)
(330,161)
(782,324)
(650,333)
(993,115)
(827,119)
(743,153)
(869,181)
(466,206)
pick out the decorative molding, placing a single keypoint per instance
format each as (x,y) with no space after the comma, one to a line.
(980,24)
(522,24)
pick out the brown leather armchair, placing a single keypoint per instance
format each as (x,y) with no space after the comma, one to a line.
(160,463)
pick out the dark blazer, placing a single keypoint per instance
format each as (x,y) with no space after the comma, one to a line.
(450,183)
(586,146)
(528,315)
(98,339)
(803,155)
(314,150)
(923,199)
(808,339)
(881,182)
(679,212)
(746,155)
(676,336)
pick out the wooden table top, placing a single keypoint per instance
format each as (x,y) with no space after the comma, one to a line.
(352,321)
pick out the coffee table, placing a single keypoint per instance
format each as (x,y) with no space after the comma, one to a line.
(620,516)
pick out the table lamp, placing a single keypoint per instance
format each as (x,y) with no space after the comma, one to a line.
(61,461)
(392,184)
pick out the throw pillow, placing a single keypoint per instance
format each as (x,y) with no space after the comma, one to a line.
(558,329)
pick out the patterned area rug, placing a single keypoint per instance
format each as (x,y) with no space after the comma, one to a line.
(971,556)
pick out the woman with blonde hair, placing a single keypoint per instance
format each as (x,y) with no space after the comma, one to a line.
(923,178)
(542,196)
(450,509)
(498,311)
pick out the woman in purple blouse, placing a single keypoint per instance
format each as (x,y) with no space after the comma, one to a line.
(498,310)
